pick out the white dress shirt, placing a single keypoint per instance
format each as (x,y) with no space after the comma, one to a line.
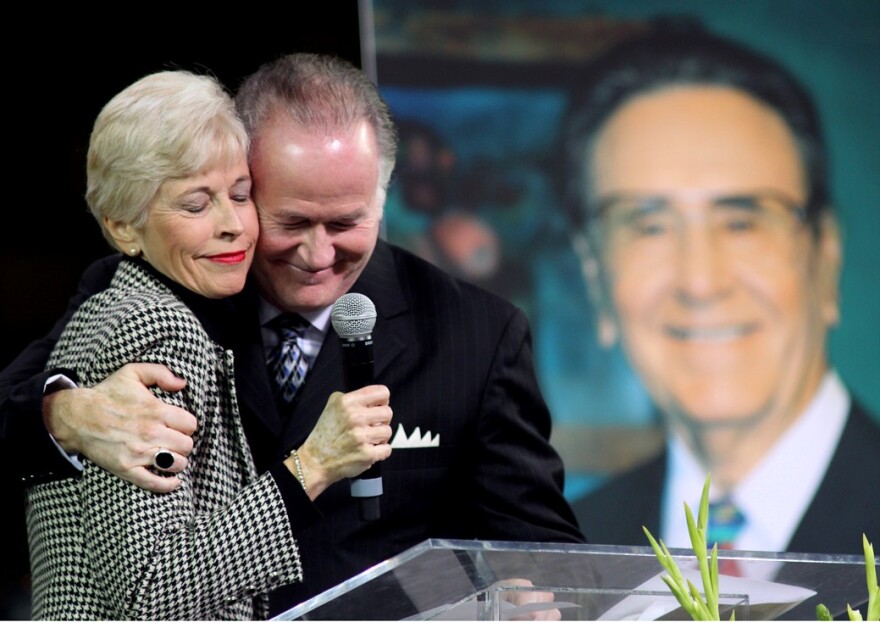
(775,495)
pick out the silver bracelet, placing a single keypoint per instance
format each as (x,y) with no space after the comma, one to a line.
(299,471)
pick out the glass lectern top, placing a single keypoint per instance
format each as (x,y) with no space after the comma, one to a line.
(488,580)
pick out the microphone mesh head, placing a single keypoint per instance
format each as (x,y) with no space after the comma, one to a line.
(353,315)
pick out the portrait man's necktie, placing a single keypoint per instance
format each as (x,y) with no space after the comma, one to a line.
(288,365)
(725,523)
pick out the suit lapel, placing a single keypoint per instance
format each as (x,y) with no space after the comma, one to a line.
(260,416)
(381,283)
(254,390)
(851,473)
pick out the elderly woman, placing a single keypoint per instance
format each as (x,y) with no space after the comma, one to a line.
(169,184)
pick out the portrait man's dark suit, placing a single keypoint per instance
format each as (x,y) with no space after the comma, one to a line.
(458,363)
(615,513)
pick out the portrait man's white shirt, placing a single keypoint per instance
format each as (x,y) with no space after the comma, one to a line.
(778,491)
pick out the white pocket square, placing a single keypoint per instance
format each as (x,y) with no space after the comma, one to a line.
(414,440)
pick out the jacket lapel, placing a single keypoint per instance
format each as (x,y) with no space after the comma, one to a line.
(381,283)
(260,416)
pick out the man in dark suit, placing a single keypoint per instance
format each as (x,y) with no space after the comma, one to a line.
(471,456)
(697,182)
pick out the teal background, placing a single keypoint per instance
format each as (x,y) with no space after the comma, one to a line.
(834,48)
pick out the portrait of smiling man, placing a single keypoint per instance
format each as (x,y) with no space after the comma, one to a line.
(698,185)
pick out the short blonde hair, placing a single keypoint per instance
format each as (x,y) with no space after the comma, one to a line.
(167,125)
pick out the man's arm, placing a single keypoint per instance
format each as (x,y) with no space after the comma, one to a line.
(112,423)
(28,449)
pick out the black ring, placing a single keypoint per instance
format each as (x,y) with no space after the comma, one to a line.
(163,459)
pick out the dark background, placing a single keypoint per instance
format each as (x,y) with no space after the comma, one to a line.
(55,83)
(51,105)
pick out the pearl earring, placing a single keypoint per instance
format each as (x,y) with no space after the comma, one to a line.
(134,252)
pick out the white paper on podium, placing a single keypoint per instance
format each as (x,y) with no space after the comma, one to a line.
(767,600)
(469,610)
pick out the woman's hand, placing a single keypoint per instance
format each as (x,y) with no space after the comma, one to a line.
(120,425)
(352,433)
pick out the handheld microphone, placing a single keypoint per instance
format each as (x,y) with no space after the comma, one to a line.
(353,317)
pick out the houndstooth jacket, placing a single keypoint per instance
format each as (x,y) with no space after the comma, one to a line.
(102,548)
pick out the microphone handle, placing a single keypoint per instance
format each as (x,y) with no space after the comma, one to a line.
(357,356)
(367,488)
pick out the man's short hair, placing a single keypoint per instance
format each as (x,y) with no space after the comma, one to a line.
(320,93)
(681,56)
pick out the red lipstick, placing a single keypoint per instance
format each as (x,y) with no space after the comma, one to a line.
(229,258)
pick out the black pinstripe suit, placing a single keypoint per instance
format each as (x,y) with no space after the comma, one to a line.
(458,363)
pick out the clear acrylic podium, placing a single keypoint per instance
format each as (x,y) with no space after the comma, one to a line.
(482,580)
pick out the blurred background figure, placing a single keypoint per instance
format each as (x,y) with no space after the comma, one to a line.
(431,212)
(697,182)
(428,217)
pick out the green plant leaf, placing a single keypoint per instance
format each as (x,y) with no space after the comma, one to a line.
(697,535)
(871,577)
(680,595)
(699,603)
(687,594)
(703,515)
(854,615)
(713,574)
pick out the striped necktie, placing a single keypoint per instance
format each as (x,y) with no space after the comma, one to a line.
(287,363)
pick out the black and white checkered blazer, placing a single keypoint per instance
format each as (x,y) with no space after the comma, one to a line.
(101,548)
